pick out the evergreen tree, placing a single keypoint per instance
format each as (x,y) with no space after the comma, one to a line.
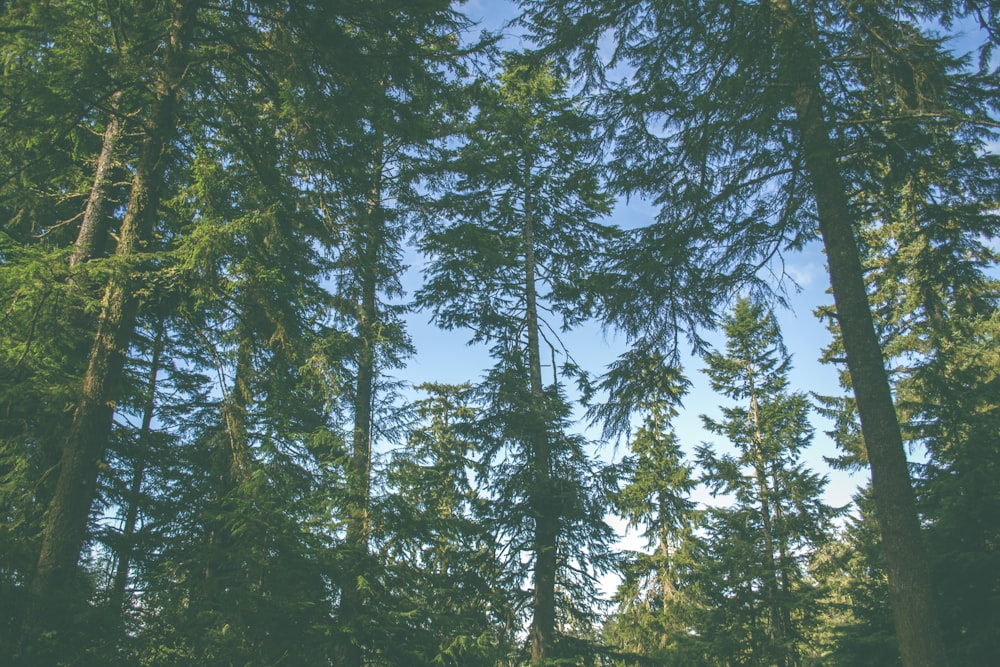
(653,618)
(523,211)
(451,600)
(86,438)
(928,274)
(758,547)
(196,172)
(387,131)
(857,627)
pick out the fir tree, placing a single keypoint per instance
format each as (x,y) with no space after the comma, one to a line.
(759,545)
(517,252)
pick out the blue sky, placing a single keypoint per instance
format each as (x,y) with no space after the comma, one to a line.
(444,356)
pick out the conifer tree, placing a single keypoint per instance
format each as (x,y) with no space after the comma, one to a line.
(758,547)
(451,599)
(653,618)
(926,211)
(511,266)
(86,438)
(387,131)
(857,627)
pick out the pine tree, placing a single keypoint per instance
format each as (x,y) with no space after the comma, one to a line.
(450,599)
(654,602)
(857,626)
(387,128)
(86,438)
(928,274)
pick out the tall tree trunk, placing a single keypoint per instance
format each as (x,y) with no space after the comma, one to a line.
(87,439)
(352,606)
(129,527)
(543,504)
(233,463)
(910,589)
(776,629)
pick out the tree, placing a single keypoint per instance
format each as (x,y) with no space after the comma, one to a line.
(387,132)
(523,212)
(774,495)
(737,118)
(451,601)
(928,276)
(653,618)
(86,438)
(54,86)
(857,626)
(178,144)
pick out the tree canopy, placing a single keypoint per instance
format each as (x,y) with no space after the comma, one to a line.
(219,222)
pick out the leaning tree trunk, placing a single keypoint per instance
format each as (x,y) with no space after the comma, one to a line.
(87,439)
(93,225)
(910,589)
(543,505)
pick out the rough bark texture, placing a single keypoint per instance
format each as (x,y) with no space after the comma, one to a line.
(87,438)
(93,227)
(911,592)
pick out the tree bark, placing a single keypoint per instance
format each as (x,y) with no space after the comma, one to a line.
(911,592)
(87,439)
(89,239)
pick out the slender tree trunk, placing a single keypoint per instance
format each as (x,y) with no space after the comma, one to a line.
(234,466)
(776,629)
(127,547)
(784,585)
(87,439)
(910,589)
(352,606)
(543,502)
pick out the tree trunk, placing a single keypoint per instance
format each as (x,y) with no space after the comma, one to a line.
(370,240)
(87,439)
(543,503)
(93,227)
(127,547)
(233,465)
(776,629)
(910,588)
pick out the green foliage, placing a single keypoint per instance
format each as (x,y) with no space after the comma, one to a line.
(228,331)
(857,624)
(657,598)
(512,265)
(760,602)
(449,604)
